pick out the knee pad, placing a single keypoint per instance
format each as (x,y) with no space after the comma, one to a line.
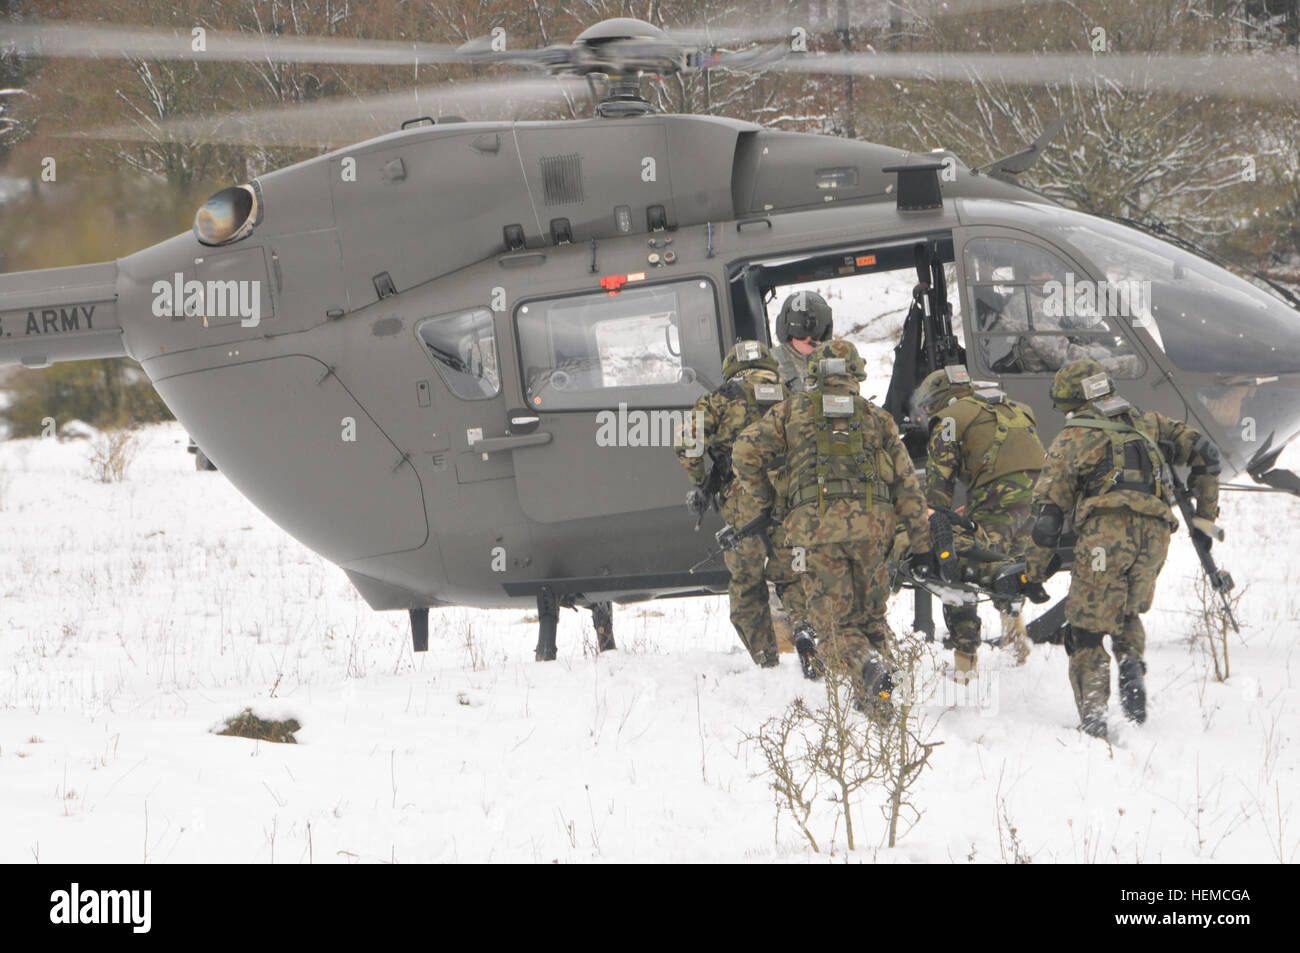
(1077,637)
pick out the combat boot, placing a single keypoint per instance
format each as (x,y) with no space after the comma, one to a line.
(963,666)
(1015,637)
(1132,689)
(878,685)
(1094,723)
(805,643)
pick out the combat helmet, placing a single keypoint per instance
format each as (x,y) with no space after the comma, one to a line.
(804,314)
(1078,382)
(746,355)
(940,387)
(836,359)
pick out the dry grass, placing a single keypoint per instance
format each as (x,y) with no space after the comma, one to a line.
(248,725)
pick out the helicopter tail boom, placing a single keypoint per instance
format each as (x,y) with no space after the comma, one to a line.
(60,314)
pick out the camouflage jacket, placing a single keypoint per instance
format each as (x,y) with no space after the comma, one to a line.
(1074,476)
(1039,353)
(962,448)
(789,433)
(794,368)
(716,422)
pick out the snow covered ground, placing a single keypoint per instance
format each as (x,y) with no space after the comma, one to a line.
(134,617)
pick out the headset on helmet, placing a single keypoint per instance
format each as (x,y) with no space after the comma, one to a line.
(804,314)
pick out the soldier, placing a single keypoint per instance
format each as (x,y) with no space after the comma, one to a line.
(804,322)
(988,442)
(1025,310)
(848,481)
(749,388)
(1106,470)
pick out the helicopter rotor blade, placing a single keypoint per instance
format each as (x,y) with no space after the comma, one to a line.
(1265,77)
(332,122)
(91,41)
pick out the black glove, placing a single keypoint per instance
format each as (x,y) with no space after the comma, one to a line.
(698,501)
(1035,593)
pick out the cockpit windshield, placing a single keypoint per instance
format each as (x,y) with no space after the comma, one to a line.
(1204,317)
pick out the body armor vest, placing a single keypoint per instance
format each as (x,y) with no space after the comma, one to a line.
(846,458)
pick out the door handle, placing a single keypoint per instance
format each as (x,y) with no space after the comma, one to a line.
(497,444)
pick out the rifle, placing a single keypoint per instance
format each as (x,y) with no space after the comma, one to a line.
(728,538)
(1220,580)
(926,344)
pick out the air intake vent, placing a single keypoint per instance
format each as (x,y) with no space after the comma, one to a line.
(562,179)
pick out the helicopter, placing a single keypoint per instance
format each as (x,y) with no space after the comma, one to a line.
(450,358)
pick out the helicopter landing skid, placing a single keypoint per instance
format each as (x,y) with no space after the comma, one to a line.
(419,630)
(548,618)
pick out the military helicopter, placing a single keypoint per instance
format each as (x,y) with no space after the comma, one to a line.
(450,358)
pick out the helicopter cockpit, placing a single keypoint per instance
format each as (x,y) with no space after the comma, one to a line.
(1026,318)
(1235,346)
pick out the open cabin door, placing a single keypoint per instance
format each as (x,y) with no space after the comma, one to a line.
(607,381)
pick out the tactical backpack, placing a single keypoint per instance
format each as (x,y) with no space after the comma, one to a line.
(1014,446)
(1136,461)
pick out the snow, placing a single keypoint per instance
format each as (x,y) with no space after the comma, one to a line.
(136,617)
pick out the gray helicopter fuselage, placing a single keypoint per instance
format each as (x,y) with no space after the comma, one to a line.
(332,415)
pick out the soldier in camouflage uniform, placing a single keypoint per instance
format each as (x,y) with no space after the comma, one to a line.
(849,480)
(1105,470)
(989,443)
(749,388)
(1025,310)
(805,320)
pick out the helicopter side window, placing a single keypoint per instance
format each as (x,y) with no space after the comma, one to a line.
(651,345)
(463,348)
(1029,318)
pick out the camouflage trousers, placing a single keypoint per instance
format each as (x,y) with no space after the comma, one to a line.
(1117,559)
(1002,510)
(751,570)
(787,583)
(846,590)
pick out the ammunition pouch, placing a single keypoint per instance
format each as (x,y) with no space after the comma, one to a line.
(1077,638)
